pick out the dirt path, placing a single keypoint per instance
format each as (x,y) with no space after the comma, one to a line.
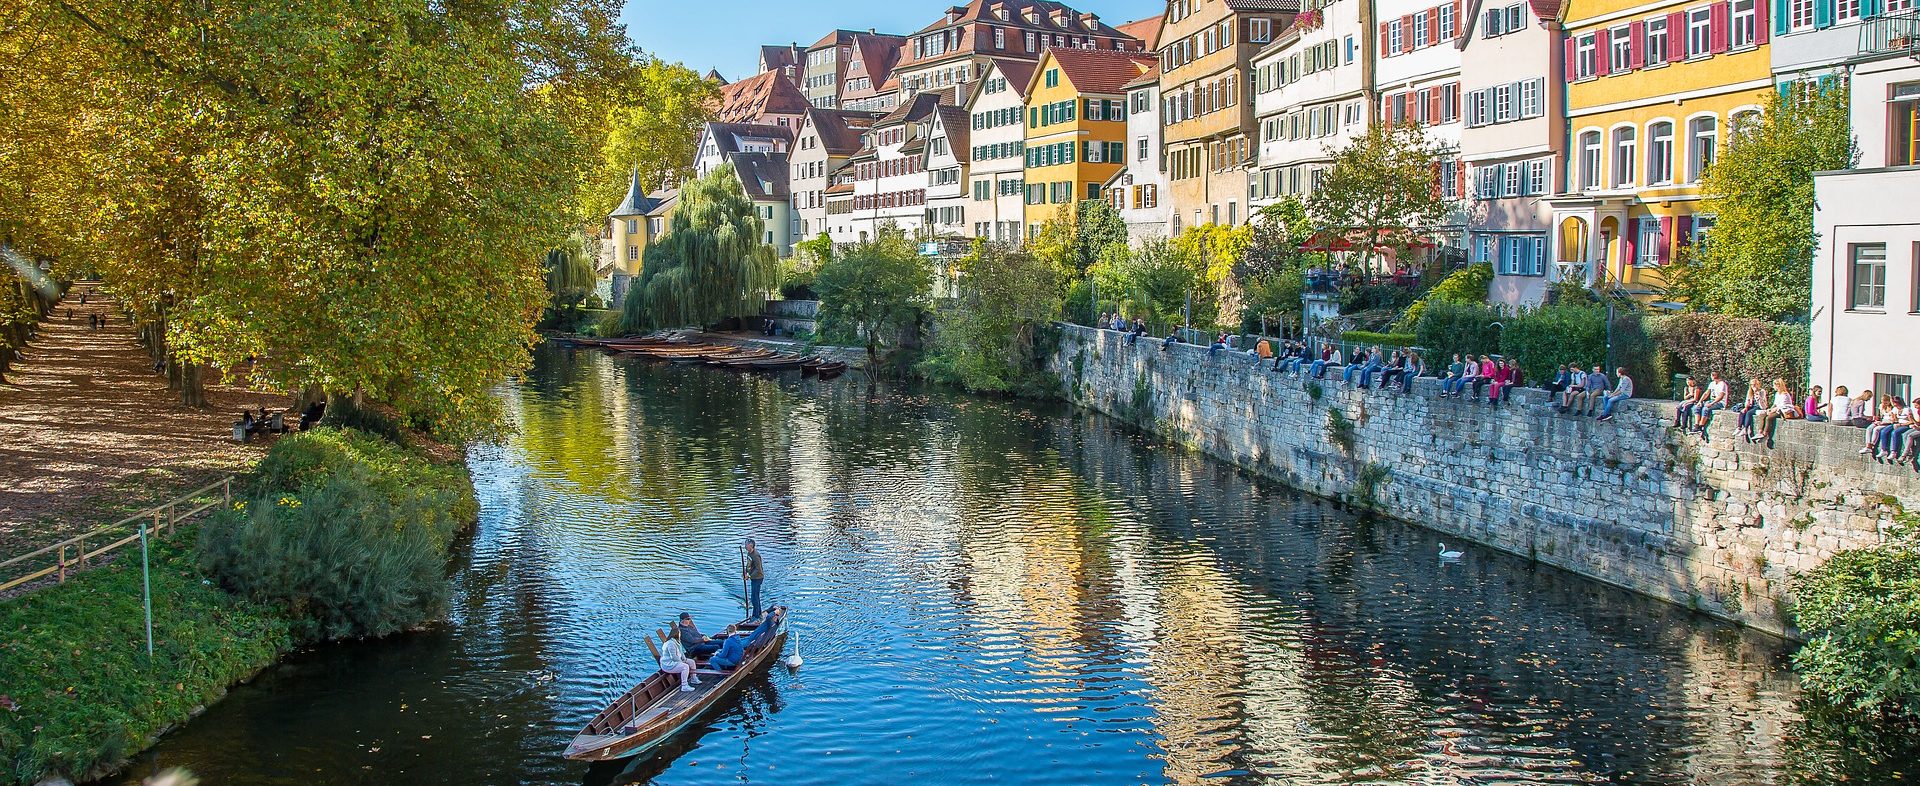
(88,431)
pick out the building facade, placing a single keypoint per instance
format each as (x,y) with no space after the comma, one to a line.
(1417,79)
(763,176)
(1866,270)
(957,48)
(947,156)
(1513,144)
(1206,49)
(996,178)
(1076,128)
(771,98)
(1652,90)
(719,140)
(1139,190)
(869,84)
(1310,97)
(890,179)
(825,140)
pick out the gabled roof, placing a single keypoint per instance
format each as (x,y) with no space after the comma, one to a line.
(921,106)
(713,75)
(877,53)
(981,11)
(725,135)
(839,129)
(956,125)
(1151,77)
(663,202)
(762,175)
(1147,30)
(1017,72)
(774,58)
(770,93)
(1264,5)
(913,145)
(1100,70)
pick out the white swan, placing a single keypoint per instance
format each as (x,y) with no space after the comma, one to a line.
(794,661)
(1450,555)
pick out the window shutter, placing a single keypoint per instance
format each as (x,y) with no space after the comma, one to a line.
(1822,14)
(1718,15)
(1637,58)
(1779,16)
(1676,36)
(1491,27)
(1602,52)
(1663,254)
(1627,241)
(1870,8)
(1433,27)
(1573,61)
(1459,178)
(1437,173)
(1458,6)
(1683,230)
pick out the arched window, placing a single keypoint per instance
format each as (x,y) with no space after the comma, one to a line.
(1623,156)
(1660,152)
(1742,122)
(1702,134)
(1590,161)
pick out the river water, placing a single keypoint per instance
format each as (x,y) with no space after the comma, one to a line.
(988,592)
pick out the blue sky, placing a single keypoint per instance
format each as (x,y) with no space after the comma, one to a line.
(727,34)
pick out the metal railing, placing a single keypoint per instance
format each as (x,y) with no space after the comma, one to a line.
(63,559)
(1896,34)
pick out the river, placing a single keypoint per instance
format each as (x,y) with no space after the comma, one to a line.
(988,591)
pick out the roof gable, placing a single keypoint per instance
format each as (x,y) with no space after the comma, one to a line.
(1099,71)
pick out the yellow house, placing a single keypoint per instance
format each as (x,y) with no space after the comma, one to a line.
(1076,126)
(1654,89)
(640,219)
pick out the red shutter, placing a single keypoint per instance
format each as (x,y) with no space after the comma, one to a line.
(1459,174)
(1683,230)
(1664,254)
(1457,20)
(1676,37)
(1433,25)
(1406,33)
(1573,61)
(1454,99)
(1628,236)
(1602,52)
(1761,21)
(1384,40)
(1638,57)
(1436,180)
(1720,16)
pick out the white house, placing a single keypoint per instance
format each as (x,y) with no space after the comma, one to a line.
(1417,79)
(1310,98)
(1514,142)
(1866,271)
(996,133)
(719,140)
(1139,191)
(890,178)
(946,167)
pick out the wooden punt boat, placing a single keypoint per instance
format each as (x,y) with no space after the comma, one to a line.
(656,708)
(780,363)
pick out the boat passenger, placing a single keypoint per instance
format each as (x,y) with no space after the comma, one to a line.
(674,660)
(695,644)
(732,652)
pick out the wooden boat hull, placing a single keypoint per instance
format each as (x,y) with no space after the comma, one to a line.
(634,724)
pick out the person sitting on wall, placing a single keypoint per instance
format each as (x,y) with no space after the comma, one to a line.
(1592,390)
(1715,398)
(1815,409)
(1690,400)
(1555,386)
(1506,374)
(1622,390)
(1173,337)
(1219,343)
(1328,357)
(1859,408)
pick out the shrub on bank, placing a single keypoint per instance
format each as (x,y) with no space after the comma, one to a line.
(1860,612)
(81,695)
(344,533)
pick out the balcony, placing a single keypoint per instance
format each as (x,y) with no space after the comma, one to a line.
(1891,35)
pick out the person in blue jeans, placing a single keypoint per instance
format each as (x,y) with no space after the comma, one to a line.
(1622,390)
(732,651)
(754,572)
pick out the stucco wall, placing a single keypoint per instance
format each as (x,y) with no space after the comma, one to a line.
(1715,524)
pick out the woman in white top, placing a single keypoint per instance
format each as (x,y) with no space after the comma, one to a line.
(1782,407)
(674,660)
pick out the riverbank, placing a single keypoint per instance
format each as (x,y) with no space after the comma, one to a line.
(340,534)
(1716,524)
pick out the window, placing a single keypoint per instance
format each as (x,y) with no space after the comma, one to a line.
(633,225)
(1647,250)
(1420,30)
(1868,276)
(1660,153)
(999,38)
(1530,103)
(1620,50)
(1903,119)
(1897,385)
(1700,32)
(1259,31)
(1520,255)
(1060,192)
(1744,20)
(1030,45)
(1395,35)
(1623,158)
(1516,19)
(1053,77)
(1584,63)
(1656,36)
(1449,26)
(1502,103)
(1140,149)
(633,253)
(1701,134)
(1799,14)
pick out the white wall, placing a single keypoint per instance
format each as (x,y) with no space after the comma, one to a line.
(1144,173)
(1343,85)
(1853,342)
(1002,215)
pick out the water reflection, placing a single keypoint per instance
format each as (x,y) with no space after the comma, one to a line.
(992,592)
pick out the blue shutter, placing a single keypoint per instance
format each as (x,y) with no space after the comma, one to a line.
(1871,8)
(1779,20)
(1785,89)
(1822,14)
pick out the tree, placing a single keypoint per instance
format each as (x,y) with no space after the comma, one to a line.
(986,342)
(710,264)
(878,288)
(654,120)
(1861,614)
(1380,190)
(569,274)
(1758,262)
(1074,240)
(1155,281)
(1272,269)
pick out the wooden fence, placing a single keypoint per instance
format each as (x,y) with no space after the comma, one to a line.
(74,554)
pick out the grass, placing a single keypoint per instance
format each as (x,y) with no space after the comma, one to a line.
(78,694)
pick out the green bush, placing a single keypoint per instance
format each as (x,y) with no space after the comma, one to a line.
(345,533)
(797,284)
(1543,338)
(1465,328)
(1740,348)
(1370,338)
(1860,612)
(1466,286)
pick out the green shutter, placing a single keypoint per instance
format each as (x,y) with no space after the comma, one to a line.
(1822,14)
(1779,20)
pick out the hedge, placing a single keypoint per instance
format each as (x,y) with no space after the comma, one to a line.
(1371,338)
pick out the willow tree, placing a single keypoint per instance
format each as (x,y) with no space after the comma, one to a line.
(711,263)
(569,274)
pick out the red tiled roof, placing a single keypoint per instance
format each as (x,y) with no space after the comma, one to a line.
(770,93)
(1152,76)
(1101,70)
(1018,73)
(1147,30)
(1264,5)
(839,130)
(1072,23)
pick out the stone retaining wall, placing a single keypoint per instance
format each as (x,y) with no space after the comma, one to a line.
(1717,524)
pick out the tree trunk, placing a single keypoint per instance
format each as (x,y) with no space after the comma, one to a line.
(193,389)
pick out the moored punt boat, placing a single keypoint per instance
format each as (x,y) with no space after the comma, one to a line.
(781,363)
(656,708)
